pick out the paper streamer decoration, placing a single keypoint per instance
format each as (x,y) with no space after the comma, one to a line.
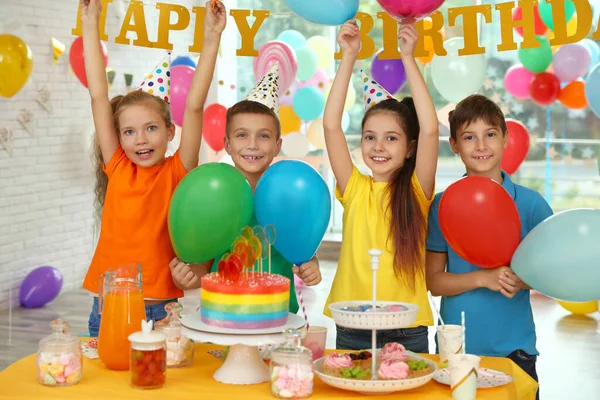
(6,137)
(268,55)
(44,98)
(26,120)
(110,76)
(58,49)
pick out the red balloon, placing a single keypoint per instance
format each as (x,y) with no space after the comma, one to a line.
(518,146)
(539,26)
(77,61)
(213,129)
(480,221)
(544,88)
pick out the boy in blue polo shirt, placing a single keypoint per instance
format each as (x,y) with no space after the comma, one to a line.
(496,302)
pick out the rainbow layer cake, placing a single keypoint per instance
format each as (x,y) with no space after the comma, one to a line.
(255,300)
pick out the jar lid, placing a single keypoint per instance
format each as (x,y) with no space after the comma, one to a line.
(170,325)
(147,335)
(60,338)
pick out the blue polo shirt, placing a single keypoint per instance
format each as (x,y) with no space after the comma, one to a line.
(496,326)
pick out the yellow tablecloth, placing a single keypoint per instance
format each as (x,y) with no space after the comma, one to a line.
(18,381)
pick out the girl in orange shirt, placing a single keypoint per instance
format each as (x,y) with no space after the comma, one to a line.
(135,181)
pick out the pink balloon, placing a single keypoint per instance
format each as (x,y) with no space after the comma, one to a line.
(410,10)
(181,80)
(517,80)
(287,96)
(571,61)
(319,80)
(272,52)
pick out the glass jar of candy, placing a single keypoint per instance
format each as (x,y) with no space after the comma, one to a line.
(291,368)
(59,358)
(180,348)
(148,358)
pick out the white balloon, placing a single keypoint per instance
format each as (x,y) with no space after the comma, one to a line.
(295,145)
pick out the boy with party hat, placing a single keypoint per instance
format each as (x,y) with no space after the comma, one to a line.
(253,140)
(496,302)
(135,179)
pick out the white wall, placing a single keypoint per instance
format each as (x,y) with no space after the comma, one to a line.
(46,187)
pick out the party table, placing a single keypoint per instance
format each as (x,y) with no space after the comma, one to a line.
(18,381)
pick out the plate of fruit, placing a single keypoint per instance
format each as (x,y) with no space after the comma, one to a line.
(385,314)
(395,370)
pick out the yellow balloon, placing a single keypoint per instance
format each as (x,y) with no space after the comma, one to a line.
(315,134)
(323,49)
(16,63)
(588,307)
(350,97)
(290,122)
(571,28)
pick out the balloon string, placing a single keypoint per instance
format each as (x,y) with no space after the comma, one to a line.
(548,174)
(10,311)
(301,300)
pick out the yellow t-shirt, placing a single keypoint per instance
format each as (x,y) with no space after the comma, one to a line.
(366,226)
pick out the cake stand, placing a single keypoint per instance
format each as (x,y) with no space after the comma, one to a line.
(374,320)
(243,364)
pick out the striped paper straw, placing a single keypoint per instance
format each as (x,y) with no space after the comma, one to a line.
(301,300)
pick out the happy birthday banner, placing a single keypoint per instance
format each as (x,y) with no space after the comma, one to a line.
(135,21)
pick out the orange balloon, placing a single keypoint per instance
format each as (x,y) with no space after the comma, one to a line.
(428,41)
(573,96)
(290,122)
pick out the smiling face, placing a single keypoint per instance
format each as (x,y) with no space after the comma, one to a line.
(384,145)
(144,134)
(480,146)
(253,142)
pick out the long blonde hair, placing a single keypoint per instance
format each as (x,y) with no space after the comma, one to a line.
(119,103)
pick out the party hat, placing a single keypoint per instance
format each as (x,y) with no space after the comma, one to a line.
(266,90)
(373,92)
(158,83)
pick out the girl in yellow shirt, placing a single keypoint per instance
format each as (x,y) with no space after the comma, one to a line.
(387,211)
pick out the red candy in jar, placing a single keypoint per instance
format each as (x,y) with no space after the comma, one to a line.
(148,358)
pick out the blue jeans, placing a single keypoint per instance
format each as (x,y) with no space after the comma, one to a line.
(413,339)
(154,312)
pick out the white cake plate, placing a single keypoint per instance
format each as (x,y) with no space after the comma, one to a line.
(243,364)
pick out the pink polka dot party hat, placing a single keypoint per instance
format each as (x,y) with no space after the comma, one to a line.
(373,92)
(158,83)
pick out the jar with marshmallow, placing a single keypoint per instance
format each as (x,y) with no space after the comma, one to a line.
(180,348)
(291,368)
(59,358)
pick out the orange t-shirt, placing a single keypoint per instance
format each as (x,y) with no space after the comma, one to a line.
(134,224)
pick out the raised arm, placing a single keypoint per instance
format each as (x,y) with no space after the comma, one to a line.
(427,152)
(95,72)
(335,140)
(191,131)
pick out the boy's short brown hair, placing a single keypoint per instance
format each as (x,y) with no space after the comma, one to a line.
(473,108)
(250,107)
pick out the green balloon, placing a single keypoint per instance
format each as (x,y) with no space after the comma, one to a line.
(210,206)
(545,11)
(537,59)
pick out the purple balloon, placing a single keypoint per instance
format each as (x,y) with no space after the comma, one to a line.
(571,61)
(389,73)
(40,287)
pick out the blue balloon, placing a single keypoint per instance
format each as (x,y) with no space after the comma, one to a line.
(594,50)
(293,38)
(324,12)
(183,60)
(559,257)
(592,90)
(293,197)
(308,103)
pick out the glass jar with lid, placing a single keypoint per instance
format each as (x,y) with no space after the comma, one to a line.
(291,368)
(148,358)
(59,358)
(180,348)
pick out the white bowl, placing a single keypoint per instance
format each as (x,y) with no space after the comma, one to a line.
(373,320)
(375,386)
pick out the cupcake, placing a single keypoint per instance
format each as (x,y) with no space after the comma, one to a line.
(362,359)
(334,363)
(418,368)
(392,352)
(393,369)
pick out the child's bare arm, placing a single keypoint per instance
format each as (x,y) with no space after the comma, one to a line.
(191,132)
(95,72)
